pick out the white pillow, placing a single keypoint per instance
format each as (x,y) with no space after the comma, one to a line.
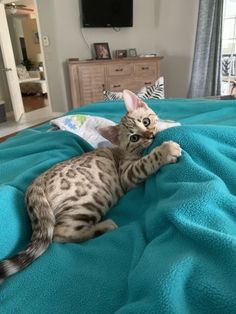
(22,72)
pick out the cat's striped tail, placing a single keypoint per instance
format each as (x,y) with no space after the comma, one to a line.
(43,222)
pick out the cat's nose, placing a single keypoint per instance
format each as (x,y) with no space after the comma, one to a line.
(150,135)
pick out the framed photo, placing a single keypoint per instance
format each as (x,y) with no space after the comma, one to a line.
(102,51)
(121,53)
(132,52)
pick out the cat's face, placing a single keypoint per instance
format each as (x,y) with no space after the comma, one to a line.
(137,128)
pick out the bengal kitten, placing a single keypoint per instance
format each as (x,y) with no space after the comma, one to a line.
(67,202)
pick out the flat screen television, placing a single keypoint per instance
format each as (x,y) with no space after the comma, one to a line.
(107,13)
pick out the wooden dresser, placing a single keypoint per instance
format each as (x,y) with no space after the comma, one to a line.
(88,79)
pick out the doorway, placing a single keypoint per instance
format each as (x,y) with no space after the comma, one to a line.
(24,34)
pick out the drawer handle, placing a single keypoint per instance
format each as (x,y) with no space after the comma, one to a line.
(118,70)
(147,83)
(115,86)
(145,68)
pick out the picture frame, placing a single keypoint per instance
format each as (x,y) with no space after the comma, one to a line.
(132,52)
(121,53)
(102,51)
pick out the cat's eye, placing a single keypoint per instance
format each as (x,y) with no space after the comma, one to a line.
(134,137)
(146,121)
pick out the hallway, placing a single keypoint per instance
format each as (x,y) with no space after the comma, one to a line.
(34,102)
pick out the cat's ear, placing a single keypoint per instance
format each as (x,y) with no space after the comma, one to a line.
(132,102)
(111,133)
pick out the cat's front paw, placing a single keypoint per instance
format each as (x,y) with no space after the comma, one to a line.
(169,151)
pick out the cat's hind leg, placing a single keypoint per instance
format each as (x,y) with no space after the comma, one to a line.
(70,233)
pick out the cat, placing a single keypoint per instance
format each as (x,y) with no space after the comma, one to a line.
(67,202)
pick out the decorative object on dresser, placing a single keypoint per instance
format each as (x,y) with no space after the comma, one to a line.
(132,52)
(121,53)
(102,51)
(89,79)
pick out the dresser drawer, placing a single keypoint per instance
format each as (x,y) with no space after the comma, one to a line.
(137,85)
(133,84)
(92,83)
(119,69)
(88,79)
(148,81)
(118,85)
(145,69)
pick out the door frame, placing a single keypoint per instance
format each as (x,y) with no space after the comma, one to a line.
(48,108)
(10,66)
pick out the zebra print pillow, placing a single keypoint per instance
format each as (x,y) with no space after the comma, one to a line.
(155,91)
(147,92)
(108,95)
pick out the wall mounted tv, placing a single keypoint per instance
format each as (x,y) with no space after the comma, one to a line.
(107,13)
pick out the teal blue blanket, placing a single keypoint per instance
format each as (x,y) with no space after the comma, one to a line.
(175,248)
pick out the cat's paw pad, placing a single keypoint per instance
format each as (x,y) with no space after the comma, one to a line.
(170,152)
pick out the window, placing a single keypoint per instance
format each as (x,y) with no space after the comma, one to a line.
(229,47)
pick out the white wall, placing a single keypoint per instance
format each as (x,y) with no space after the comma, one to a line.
(159,25)
(176,29)
(167,26)
(66,39)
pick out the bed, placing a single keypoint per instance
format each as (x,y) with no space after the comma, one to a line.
(175,248)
